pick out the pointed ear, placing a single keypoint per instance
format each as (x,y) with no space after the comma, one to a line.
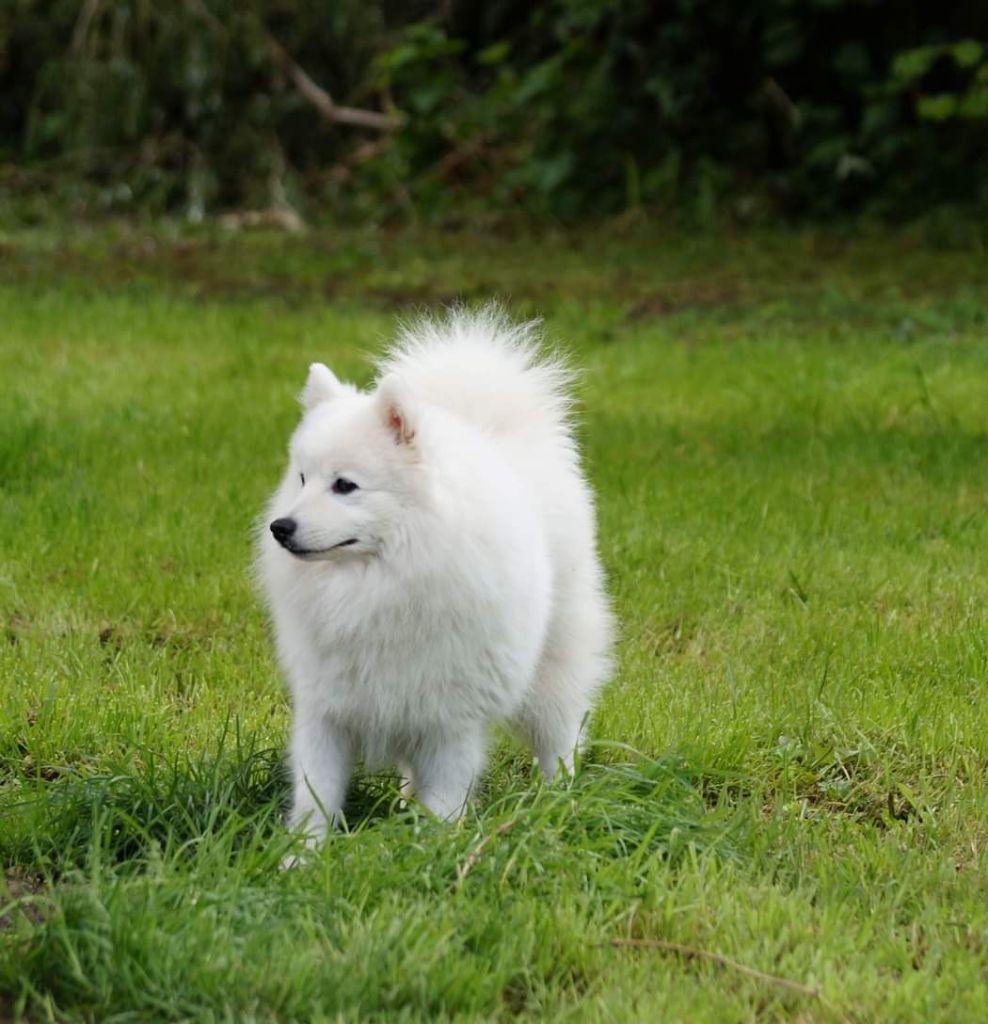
(322,385)
(396,409)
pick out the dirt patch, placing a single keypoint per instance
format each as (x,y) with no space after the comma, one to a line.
(13,628)
(673,637)
(7,1012)
(21,886)
(679,299)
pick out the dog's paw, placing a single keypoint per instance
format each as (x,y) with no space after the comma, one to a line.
(303,854)
(291,861)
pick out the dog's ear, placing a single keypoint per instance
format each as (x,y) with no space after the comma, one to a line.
(396,408)
(321,385)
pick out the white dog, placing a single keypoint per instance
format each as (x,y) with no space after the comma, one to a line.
(431,567)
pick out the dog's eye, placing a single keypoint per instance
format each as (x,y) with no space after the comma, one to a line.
(302,478)
(343,486)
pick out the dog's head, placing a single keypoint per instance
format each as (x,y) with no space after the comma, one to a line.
(354,470)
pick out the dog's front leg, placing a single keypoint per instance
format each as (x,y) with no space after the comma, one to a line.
(322,756)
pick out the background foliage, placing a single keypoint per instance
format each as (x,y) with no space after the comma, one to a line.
(566,109)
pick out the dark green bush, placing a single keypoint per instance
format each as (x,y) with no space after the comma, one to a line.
(566,109)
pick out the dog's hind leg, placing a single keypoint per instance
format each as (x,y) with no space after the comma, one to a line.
(554,713)
(551,721)
(574,663)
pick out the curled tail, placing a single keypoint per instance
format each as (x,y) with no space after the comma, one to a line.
(487,369)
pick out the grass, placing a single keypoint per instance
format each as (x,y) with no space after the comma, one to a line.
(786,806)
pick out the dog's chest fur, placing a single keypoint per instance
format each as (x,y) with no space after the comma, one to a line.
(399,658)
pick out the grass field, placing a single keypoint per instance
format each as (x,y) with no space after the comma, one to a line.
(784,815)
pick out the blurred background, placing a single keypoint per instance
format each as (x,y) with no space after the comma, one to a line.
(289,112)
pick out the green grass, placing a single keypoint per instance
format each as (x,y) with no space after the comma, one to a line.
(787,435)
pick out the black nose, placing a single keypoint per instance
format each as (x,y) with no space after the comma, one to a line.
(283,529)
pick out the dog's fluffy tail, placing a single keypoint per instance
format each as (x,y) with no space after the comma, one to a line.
(487,369)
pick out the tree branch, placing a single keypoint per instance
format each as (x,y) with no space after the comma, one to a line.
(87,12)
(324,103)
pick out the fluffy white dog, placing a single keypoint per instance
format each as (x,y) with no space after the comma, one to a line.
(431,567)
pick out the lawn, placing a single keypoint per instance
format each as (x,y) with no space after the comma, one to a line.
(784,812)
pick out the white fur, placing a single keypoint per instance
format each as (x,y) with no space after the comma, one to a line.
(472,593)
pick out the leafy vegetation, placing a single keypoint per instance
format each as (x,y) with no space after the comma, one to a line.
(569,110)
(783,814)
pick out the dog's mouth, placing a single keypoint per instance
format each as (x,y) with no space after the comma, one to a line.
(313,553)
